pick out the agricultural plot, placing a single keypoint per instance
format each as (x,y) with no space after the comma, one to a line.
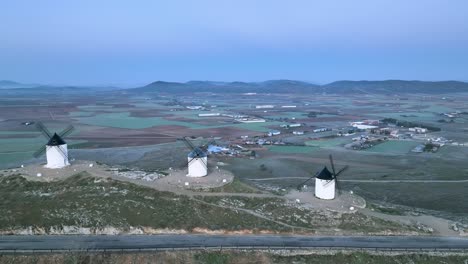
(409,116)
(292,149)
(288,114)
(258,127)
(328,143)
(12,158)
(394,147)
(124,120)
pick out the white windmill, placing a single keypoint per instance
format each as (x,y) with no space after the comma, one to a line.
(326,182)
(56,148)
(197,160)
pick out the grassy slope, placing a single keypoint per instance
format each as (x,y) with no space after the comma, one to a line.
(85,201)
(277,210)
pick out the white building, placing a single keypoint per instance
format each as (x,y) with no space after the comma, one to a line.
(209,114)
(195,107)
(290,125)
(197,163)
(264,106)
(250,120)
(325,185)
(318,130)
(419,130)
(273,133)
(359,125)
(56,153)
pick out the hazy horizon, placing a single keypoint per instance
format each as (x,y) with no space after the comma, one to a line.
(168,81)
(119,43)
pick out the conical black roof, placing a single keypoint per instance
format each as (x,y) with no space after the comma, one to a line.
(55,140)
(325,174)
(197,153)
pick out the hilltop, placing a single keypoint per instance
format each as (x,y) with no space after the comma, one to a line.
(291,86)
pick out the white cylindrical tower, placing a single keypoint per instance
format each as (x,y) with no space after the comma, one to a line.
(197,163)
(325,185)
(56,153)
(325,189)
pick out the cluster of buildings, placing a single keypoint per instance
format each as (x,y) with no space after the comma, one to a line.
(452,114)
(234,150)
(364,142)
(366,124)
(237,117)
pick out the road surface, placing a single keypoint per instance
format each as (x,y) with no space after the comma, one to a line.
(367,181)
(154,242)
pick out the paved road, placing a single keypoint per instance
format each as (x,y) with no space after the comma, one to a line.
(367,181)
(134,242)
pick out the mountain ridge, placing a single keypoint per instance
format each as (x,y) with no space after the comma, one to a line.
(293,86)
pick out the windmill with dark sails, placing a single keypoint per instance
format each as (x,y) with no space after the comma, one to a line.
(56,148)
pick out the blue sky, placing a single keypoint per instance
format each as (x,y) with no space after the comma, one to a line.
(128,43)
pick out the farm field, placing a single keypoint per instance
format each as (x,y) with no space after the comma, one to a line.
(327,143)
(292,149)
(394,147)
(141,132)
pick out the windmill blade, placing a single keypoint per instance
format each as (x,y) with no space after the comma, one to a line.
(188,143)
(204,162)
(342,170)
(337,186)
(43,130)
(190,161)
(299,187)
(67,131)
(65,156)
(211,142)
(40,151)
(332,165)
(328,182)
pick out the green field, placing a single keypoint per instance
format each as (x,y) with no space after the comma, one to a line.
(124,120)
(21,144)
(292,149)
(394,147)
(81,114)
(289,114)
(409,116)
(327,143)
(13,133)
(13,158)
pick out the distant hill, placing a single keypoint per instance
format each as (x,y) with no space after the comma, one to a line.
(6,84)
(271,86)
(275,86)
(12,85)
(396,86)
(291,86)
